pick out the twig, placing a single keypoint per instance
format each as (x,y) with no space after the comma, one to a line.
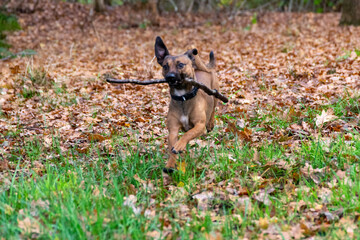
(14,55)
(174,5)
(135,81)
(96,33)
(211,92)
(71,47)
(191,5)
(290,5)
(7,57)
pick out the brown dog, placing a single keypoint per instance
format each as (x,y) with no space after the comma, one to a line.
(190,109)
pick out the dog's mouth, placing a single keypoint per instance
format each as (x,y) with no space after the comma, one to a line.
(176,80)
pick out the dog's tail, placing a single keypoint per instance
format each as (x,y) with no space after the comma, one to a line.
(211,64)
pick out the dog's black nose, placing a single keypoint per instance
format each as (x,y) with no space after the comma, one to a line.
(170,77)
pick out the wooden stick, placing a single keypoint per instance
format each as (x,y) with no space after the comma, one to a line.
(211,92)
(135,81)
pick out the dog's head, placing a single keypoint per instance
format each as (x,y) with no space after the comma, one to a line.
(175,68)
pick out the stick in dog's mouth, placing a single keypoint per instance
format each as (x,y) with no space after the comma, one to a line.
(211,92)
(135,81)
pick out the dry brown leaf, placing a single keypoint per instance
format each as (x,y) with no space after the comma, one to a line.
(153,234)
(29,225)
(131,201)
(262,196)
(4,165)
(326,116)
(96,191)
(340,174)
(213,236)
(96,137)
(8,210)
(41,204)
(263,223)
(203,199)
(182,166)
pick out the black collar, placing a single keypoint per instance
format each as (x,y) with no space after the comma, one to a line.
(186,96)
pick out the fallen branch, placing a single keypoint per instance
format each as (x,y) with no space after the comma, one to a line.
(211,92)
(134,81)
(21,54)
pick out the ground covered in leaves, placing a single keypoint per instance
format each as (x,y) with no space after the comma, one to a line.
(82,159)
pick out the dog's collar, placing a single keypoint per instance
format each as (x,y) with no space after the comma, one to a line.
(186,96)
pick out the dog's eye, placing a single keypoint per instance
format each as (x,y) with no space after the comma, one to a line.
(181,65)
(165,67)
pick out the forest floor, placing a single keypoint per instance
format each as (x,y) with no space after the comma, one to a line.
(82,159)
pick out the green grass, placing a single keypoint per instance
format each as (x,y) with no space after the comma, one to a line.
(74,195)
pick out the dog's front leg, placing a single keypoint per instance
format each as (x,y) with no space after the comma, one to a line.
(196,131)
(174,128)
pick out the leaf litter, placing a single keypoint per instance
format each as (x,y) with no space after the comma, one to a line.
(282,65)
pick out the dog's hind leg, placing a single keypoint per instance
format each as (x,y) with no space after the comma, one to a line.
(211,124)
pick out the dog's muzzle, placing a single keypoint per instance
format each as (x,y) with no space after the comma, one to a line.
(172,79)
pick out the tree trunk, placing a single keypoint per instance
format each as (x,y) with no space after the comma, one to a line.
(99,5)
(154,12)
(350,12)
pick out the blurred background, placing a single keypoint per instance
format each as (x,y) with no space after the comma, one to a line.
(146,13)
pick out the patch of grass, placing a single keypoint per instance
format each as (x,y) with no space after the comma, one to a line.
(357,51)
(346,107)
(253,21)
(275,118)
(37,82)
(7,23)
(288,47)
(144,24)
(28,93)
(38,77)
(33,81)
(344,57)
(122,193)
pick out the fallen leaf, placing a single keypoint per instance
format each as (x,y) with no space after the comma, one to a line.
(203,199)
(213,236)
(153,234)
(341,174)
(262,196)
(326,116)
(263,223)
(29,225)
(182,166)
(96,137)
(130,201)
(8,209)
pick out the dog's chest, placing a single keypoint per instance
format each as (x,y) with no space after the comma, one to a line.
(179,92)
(184,119)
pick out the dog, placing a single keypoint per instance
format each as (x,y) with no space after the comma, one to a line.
(190,109)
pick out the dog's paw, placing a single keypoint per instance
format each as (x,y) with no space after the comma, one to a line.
(175,152)
(210,127)
(168,170)
(179,147)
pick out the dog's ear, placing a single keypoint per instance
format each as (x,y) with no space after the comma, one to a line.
(160,50)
